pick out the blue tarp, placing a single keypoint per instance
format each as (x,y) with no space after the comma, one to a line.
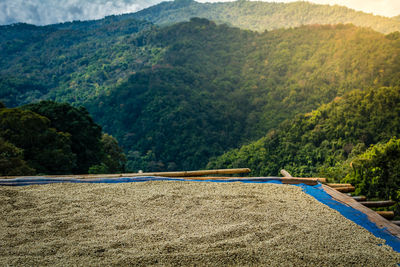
(352,214)
(316,191)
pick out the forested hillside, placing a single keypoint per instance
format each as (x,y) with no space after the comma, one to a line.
(176,96)
(218,87)
(325,141)
(55,138)
(70,62)
(260,16)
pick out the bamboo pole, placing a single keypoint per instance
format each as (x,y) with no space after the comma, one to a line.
(321,180)
(286,174)
(359,198)
(377,204)
(197,173)
(295,180)
(161,174)
(284,180)
(338,185)
(346,189)
(386,214)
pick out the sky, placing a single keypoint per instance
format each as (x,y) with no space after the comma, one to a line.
(43,12)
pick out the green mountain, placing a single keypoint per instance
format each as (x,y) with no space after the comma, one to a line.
(324,141)
(260,16)
(176,96)
(218,87)
(70,62)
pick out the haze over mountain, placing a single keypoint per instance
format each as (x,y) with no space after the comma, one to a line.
(44,12)
(262,16)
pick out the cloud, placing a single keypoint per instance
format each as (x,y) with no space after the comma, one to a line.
(43,12)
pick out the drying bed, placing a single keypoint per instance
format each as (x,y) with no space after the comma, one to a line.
(179,223)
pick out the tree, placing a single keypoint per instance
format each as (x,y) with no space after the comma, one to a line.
(11,160)
(376,173)
(45,150)
(84,133)
(114,158)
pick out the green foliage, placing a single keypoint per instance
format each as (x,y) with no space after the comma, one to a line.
(324,141)
(114,158)
(217,88)
(260,16)
(61,140)
(84,133)
(11,160)
(45,150)
(175,96)
(68,57)
(99,169)
(14,91)
(376,173)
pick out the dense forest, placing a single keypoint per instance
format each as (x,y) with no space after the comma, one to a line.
(70,62)
(55,138)
(325,141)
(260,16)
(178,97)
(219,87)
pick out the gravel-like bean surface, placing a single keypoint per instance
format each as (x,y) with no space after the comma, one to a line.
(179,223)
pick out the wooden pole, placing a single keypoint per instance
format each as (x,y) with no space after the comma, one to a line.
(197,173)
(359,198)
(346,189)
(338,185)
(161,174)
(386,214)
(285,173)
(321,180)
(284,180)
(295,180)
(377,204)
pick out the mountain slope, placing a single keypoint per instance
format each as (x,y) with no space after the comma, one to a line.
(178,95)
(67,62)
(262,16)
(324,141)
(217,87)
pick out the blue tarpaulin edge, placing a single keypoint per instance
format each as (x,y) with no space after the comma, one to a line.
(316,191)
(352,214)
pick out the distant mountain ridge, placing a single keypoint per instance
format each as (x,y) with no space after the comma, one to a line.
(260,16)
